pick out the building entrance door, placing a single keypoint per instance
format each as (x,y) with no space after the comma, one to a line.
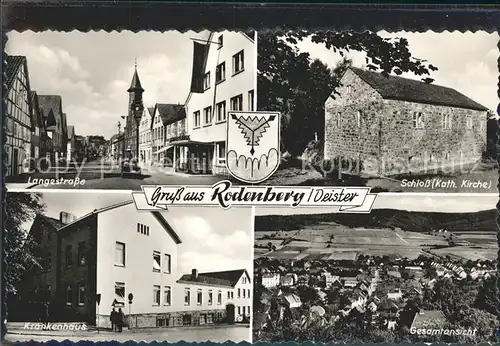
(230,315)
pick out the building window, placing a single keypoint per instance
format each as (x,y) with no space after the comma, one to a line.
(167,263)
(236,103)
(48,262)
(207,115)
(219,298)
(232,294)
(251,100)
(244,292)
(210,297)
(82,258)
(142,229)
(69,296)
(167,295)
(220,40)
(206,81)
(221,153)
(446,121)
(120,254)
(418,120)
(156,261)
(81,295)
(469,122)
(69,256)
(228,295)
(187,296)
(220,73)
(239,310)
(248,293)
(349,89)
(358,119)
(238,62)
(197,119)
(339,119)
(239,293)
(199,297)
(119,294)
(156,295)
(221,111)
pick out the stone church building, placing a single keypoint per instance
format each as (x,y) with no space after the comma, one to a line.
(390,125)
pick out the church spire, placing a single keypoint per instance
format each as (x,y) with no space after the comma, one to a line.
(135,85)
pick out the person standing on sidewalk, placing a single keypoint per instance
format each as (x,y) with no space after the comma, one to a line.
(120,319)
(112,318)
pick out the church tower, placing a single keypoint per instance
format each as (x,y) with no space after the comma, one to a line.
(135,106)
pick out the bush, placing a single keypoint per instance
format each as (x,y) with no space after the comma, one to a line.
(313,154)
(289,161)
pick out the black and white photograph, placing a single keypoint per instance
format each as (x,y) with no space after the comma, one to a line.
(117,110)
(418,268)
(395,111)
(90,266)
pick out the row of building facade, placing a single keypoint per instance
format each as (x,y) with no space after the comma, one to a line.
(191,137)
(36,125)
(93,263)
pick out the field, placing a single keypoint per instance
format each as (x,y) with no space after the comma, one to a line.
(332,241)
(467,253)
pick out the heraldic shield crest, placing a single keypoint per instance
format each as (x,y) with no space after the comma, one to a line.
(253,145)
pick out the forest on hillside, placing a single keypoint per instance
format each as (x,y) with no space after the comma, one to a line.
(386,218)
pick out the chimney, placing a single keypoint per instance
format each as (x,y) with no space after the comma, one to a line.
(194,274)
(66,217)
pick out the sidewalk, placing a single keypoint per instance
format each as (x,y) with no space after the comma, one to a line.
(17,328)
(72,329)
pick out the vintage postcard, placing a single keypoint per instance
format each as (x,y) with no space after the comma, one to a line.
(193,173)
(418,268)
(396,111)
(90,266)
(145,108)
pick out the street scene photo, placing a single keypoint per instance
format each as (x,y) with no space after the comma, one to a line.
(418,268)
(398,112)
(90,266)
(144,108)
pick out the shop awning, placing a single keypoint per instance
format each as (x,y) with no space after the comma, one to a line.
(164,149)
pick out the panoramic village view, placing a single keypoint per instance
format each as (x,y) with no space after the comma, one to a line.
(399,112)
(95,262)
(379,277)
(154,114)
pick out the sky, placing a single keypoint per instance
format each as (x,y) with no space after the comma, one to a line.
(425,202)
(466,62)
(92,71)
(207,243)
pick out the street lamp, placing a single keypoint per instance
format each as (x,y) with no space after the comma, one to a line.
(137,109)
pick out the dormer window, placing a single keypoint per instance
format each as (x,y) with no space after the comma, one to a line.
(220,40)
